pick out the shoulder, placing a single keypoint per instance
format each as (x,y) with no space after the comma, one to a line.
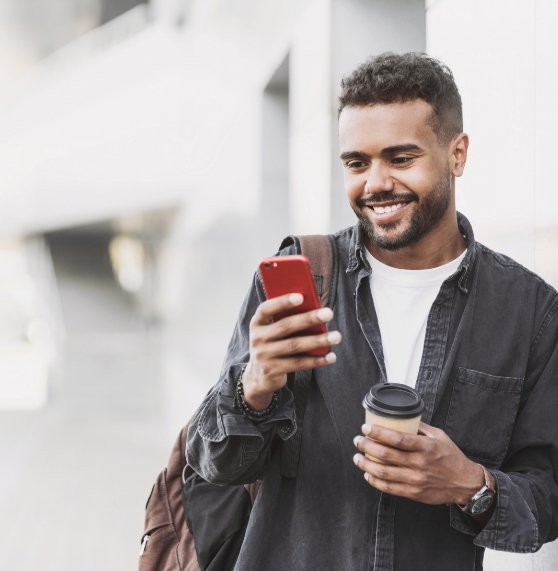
(510,270)
(344,237)
(519,288)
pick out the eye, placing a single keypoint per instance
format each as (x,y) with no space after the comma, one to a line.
(355,165)
(402,160)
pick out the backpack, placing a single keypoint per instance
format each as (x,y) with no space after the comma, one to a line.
(175,534)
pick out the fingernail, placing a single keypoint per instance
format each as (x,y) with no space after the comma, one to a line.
(334,337)
(356,440)
(296,298)
(356,459)
(331,357)
(366,429)
(366,476)
(325,314)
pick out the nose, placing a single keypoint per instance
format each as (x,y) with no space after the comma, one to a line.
(378,179)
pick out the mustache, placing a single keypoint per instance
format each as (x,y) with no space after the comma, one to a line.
(386,197)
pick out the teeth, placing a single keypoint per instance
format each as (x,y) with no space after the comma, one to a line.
(385,209)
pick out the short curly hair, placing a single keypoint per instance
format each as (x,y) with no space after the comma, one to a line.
(399,78)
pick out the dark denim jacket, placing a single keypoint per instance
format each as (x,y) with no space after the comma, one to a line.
(489,378)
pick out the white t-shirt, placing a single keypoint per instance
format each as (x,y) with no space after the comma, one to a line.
(402,299)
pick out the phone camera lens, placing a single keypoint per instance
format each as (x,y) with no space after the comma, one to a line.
(267,265)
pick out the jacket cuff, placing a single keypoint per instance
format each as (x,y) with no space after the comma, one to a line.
(220,418)
(511,528)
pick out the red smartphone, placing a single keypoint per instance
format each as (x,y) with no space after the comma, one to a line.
(291,274)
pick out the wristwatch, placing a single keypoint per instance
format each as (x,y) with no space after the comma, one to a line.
(483,499)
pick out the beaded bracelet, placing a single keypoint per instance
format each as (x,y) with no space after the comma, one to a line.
(254,415)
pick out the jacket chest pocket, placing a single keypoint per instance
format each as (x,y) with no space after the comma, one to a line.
(482,414)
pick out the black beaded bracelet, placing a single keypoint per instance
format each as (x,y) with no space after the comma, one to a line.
(254,415)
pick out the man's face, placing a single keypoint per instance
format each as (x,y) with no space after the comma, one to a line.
(397,174)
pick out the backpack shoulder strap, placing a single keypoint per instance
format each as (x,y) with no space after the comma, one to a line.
(323,255)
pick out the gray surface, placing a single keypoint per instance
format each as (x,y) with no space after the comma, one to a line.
(75,476)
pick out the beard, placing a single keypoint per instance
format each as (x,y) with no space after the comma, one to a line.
(428,212)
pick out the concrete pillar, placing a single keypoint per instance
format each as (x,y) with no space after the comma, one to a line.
(274,215)
(310,120)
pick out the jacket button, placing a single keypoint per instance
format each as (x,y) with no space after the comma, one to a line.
(387,501)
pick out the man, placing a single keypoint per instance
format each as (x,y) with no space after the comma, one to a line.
(420,303)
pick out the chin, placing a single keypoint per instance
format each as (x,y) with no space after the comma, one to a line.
(390,243)
(391,236)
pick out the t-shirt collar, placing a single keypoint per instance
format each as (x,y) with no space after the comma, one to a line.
(357,255)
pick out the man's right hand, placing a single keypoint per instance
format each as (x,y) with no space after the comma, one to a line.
(274,353)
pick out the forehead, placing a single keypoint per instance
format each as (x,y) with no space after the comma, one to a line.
(378,126)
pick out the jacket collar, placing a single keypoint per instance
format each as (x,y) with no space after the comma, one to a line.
(357,257)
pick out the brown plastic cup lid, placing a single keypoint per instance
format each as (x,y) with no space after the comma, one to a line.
(394,401)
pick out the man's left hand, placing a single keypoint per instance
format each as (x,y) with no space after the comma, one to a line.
(427,468)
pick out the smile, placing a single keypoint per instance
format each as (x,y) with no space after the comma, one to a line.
(389,208)
(388,211)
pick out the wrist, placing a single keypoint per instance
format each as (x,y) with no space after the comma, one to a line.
(475,482)
(254,396)
(482,504)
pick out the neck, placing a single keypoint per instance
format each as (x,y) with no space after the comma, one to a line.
(440,246)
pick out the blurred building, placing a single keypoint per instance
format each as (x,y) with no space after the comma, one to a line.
(221,113)
(150,154)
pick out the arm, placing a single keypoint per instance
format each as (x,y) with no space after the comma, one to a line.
(526,512)
(224,446)
(433,470)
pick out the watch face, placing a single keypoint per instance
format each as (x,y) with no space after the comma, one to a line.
(482,504)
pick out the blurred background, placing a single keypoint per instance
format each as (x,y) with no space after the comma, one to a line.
(150,154)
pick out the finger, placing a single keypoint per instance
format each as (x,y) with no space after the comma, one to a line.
(295,323)
(382,452)
(302,344)
(300,363)
(430,431)
(271,307)
(392,488)
(393,438)
(385,472)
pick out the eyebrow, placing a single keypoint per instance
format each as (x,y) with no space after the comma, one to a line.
(354,155)
(386,151)
(401,148)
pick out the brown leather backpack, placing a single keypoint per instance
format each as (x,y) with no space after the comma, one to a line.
(167,543)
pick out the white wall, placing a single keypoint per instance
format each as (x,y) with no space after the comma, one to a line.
(546,127)
(503,54)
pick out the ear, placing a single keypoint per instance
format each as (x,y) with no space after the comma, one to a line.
(458,154)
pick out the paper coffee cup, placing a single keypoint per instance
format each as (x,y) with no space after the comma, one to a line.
(394,406)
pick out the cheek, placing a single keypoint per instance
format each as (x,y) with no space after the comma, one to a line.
(354,185)
(420,181)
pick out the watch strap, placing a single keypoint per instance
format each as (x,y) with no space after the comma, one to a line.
(489,488)
(489,480)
